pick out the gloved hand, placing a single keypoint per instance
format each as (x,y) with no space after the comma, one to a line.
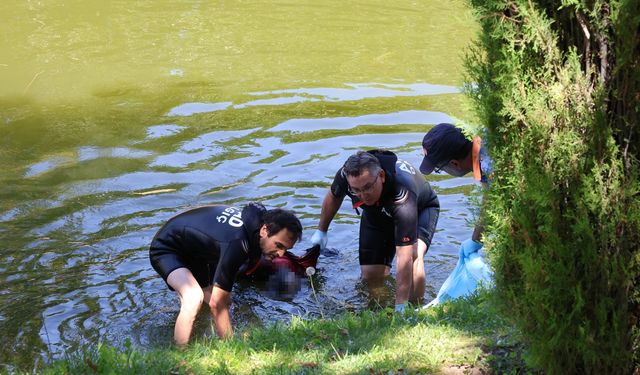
(469,247)
(319,238)
(399,308)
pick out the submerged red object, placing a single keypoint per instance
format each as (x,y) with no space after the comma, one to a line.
(294,263)
(298,264)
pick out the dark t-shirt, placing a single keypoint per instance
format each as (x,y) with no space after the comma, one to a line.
(405,192)
(221,236)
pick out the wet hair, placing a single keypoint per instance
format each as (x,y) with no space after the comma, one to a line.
(361,161)
(283,283)
(278,219)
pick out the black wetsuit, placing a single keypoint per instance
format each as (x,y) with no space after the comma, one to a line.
(213,242)
(408,209)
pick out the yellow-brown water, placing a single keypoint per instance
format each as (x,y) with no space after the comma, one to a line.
(114,116)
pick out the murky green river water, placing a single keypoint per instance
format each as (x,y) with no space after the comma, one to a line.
(115,116)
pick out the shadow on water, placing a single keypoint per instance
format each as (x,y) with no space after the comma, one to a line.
(88,179)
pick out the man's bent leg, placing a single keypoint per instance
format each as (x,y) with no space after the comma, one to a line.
(191,297)
(207,293)
(373,276)
(375,253)
(419,277)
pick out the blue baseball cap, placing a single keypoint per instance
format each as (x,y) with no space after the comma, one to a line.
(442,143)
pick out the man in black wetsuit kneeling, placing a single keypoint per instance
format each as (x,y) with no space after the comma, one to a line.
(199,252)
(399,216)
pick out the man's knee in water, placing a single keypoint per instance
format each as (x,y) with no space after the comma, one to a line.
(374,272)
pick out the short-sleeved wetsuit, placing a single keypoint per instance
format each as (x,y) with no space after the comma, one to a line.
(408,209)
(213,242)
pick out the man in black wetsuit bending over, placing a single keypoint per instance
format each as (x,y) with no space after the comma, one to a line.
(198,253)
(400,213)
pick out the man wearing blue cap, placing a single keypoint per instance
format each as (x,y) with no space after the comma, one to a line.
(447,149)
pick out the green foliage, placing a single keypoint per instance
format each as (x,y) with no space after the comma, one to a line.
(555,88)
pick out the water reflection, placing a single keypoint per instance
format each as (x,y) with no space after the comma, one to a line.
(359,91)
(116,116)
(84,154)
(189,109)
(292,96)
(81,248)
(165,130)
(341,123)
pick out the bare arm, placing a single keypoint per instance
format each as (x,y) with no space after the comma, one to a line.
(479,228)
(220,310)
(330,207)
(477,233)
(404,272)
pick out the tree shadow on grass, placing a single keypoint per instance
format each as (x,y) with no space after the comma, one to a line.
(479,339)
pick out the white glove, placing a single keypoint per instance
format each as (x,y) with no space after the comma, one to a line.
(319,238)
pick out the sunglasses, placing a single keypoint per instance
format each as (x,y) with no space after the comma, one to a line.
(440,167)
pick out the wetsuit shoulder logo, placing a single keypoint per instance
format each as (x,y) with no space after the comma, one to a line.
(384,211)
(231,216)
(406,167)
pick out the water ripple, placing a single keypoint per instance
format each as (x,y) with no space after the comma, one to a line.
(84,257)
(396,118)
(354,91)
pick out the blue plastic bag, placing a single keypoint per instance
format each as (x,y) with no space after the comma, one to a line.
(470,271)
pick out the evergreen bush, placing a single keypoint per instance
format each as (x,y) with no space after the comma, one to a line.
(557,86)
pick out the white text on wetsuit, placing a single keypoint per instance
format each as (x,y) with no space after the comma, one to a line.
(404,166)
(231,216)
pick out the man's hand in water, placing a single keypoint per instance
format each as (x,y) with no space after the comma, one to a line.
(469,247)
(320,238)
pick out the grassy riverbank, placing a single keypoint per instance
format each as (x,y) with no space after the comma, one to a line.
(466,336)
